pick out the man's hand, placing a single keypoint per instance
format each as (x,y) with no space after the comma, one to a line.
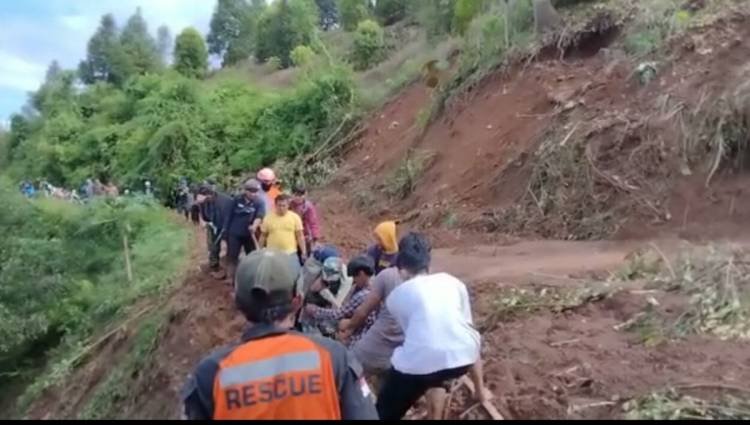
(344,332)
(317,286)
(311,309)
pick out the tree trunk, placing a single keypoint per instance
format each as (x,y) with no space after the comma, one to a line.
(546,17)
(126,251)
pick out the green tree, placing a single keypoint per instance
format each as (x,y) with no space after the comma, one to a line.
(53,71)
(465,11)
(190,54)
(164,43)
(352,12)
(4,147)
(139,46)
(243,46)
(232,29)
(105,58)
(389,12)
(435,16)
(329,13)
(369,45)
(285,25)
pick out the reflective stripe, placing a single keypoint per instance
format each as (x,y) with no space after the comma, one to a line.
(263,369)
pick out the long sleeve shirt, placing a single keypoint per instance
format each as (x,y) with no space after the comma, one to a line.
(347,311)
(310,221)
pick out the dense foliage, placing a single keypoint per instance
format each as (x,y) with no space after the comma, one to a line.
(283,26)
(369,44)
(352,12)
(190,54)
(63,266)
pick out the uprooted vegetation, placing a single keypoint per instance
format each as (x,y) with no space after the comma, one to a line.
(590,358)
(600,166)
(714,281)
(674,404)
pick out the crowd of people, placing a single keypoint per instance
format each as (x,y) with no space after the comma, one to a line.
(90,189)
(326,338)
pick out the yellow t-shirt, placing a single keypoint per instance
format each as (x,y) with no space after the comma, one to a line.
(282,231)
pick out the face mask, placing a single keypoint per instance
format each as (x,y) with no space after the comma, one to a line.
(266,186)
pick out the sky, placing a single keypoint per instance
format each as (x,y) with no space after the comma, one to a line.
(33,33)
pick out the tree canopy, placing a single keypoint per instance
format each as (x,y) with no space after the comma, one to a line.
(190,54)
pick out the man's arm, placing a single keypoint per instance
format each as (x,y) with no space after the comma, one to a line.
(312,219)
(229,216)
(197,394)
(301,243)
(263,234)
(359,317)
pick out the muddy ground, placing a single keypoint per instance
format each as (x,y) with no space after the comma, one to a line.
(542,364)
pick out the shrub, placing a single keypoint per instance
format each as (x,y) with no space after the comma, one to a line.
(389,12)
(352,12)
(64,270)
(369,45)
(274,63)
(302,56)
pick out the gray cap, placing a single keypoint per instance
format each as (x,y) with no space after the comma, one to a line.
(252,185)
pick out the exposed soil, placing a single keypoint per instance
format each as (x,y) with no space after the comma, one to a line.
(543,365)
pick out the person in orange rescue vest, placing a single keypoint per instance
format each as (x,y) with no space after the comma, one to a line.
(275,373)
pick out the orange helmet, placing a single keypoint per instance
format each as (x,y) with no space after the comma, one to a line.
(266,175)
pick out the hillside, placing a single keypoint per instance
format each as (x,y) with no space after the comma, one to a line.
(588,186)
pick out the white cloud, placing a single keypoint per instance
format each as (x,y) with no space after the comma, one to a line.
(36,32)
(77,22)
(17,73)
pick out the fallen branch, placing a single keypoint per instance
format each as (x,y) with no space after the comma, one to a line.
(630,322)
(568,342)
(712,385)
(87,350)
(487,405)
(580,407)
(447,408)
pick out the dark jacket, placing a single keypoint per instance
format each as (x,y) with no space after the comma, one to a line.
(242,215)
(354,401)
(217,210)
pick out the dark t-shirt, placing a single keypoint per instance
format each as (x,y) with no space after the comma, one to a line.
(243,213)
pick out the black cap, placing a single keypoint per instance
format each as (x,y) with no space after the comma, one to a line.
(205,189)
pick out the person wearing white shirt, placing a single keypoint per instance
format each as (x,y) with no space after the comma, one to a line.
(440,341)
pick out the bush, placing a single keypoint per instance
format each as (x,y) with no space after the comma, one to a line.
(389,12)
(352,12)
(464,13)
(190,54)
(369,45)
(64,270)
(302,56)
(486,42)
(283,26)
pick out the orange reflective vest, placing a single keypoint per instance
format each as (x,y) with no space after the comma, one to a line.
(282,377)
